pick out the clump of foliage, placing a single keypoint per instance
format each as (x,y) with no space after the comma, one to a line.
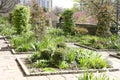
(7,30)
(91,76)
(3,20)
(23,42)
(68,25)
(21,16)
(38,20)
(55,32)
(90,60)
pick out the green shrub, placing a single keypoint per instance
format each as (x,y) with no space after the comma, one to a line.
(68,25)
(59,55)
(61,45)
(46,54)
(21,16)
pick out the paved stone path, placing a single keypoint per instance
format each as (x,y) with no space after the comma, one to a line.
(9,69)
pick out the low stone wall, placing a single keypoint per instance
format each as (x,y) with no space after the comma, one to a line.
(90,27)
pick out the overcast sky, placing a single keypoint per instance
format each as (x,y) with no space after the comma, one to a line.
(63,3)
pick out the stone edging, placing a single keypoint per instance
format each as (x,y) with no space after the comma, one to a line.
(115,55)
(90,48)
(14,52)
(2,37)
(27,73)
(7,48)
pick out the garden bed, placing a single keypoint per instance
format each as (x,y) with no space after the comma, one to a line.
(35,72)
(90,48)
(15,52)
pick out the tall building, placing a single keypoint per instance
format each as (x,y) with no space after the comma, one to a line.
(46,4)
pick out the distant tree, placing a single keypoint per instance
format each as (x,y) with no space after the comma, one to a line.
(58,10)
(38,19)
(79,5)
(7,5)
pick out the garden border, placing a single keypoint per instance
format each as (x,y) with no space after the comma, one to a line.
(5,48)
(14,52)
(2,37)
(114,55)
(27,73)
(90,48)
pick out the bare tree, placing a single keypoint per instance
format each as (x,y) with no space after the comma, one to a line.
(58,10)
(7,5)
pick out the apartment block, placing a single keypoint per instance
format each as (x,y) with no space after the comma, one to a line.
(46,4)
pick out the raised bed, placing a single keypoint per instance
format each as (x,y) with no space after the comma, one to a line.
(2,37)
(15,52)
(115,55)
(90,48)
(5,48)
(28,72)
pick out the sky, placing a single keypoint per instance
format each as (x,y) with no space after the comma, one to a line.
(63,3)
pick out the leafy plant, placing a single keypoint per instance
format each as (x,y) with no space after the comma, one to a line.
(70,57)
(41,63)
(34,57)
(63,65)
(8,31)
(3,20)
(90,60)
(91,76)
(23,42)
(55,32)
